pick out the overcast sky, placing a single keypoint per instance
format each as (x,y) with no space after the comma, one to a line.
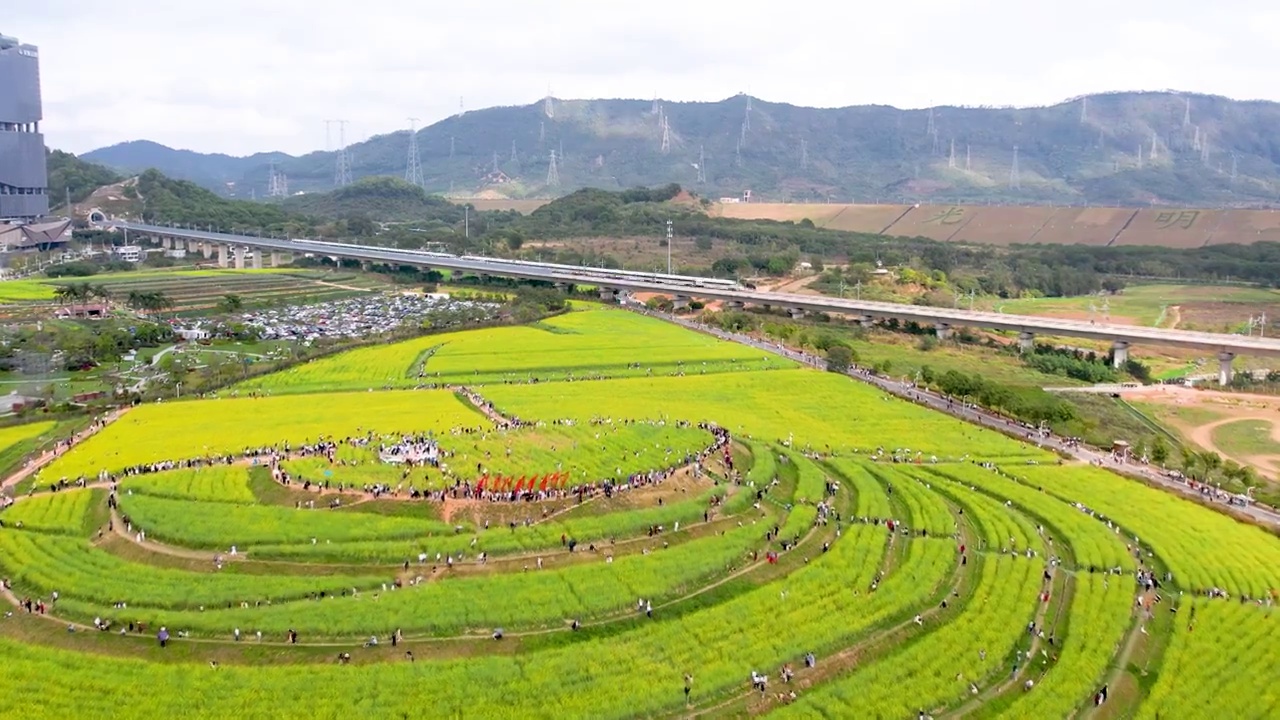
(240,76)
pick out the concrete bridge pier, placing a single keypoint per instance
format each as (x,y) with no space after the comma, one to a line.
(680,302)
(1119,354)
(239,251)
(206,249)
(257,258)
(795,313)
(866,321)
(1224,367)
(564,287)
(223,251)
(734,304)
(1026,341)
(277,259)
(943,330)
(608,294)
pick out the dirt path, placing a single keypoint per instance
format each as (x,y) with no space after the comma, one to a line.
(34,466)
(340,286)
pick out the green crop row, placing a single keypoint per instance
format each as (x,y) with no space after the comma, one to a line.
(998,528)
(64,511)
(588,453)
(218,483)
(46,563)
(221,525)
(926,510)
(1203,549)
(548,597)
(501,540)
(1094,545)
(871,500)
(1099,615)
(1221,663)
(193,429)
(969,647)
(636,672)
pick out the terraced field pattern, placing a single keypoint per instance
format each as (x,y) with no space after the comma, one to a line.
(616,518)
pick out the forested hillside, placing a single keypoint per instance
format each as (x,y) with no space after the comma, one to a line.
(1117,149)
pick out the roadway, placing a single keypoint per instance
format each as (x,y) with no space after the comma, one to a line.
(944,319)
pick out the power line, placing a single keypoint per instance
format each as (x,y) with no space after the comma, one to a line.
(413,167)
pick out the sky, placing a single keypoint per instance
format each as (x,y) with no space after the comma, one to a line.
(243,76)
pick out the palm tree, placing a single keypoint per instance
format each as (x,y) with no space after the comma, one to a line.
(102,292)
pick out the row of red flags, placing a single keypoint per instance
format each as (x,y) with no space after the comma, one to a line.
(500,483)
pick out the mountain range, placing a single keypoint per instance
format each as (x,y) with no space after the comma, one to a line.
(1140,148)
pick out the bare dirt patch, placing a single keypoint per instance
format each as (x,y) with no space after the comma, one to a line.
(1220,408)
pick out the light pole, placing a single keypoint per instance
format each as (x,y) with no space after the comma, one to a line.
(670,235)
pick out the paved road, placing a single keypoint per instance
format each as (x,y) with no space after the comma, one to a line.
(979,416)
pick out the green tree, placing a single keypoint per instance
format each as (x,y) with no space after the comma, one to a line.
(1159,451)
(231,303)
(839,358)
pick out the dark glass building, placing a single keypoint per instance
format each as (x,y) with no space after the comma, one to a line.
(24,179)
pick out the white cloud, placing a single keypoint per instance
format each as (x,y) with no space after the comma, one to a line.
(242,76)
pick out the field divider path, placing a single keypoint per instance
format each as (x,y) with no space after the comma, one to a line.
(50,455)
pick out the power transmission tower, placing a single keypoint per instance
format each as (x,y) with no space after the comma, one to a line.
(746,121)
(1084,109)
(1186,114)
(1155,147)
(413,168)
(549,104)
(737,153)
(951,159)
(277,183)
(804,154)
(553,175)
(342,169)
(702,166)
(1014,180)
(968,157)
(666,135)
(514,157)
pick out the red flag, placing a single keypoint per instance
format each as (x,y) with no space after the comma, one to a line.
(520,483)
(480,483)
(543,484)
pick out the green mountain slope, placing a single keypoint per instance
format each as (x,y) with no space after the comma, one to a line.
(1116,149)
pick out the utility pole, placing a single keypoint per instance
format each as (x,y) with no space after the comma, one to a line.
(670,237)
